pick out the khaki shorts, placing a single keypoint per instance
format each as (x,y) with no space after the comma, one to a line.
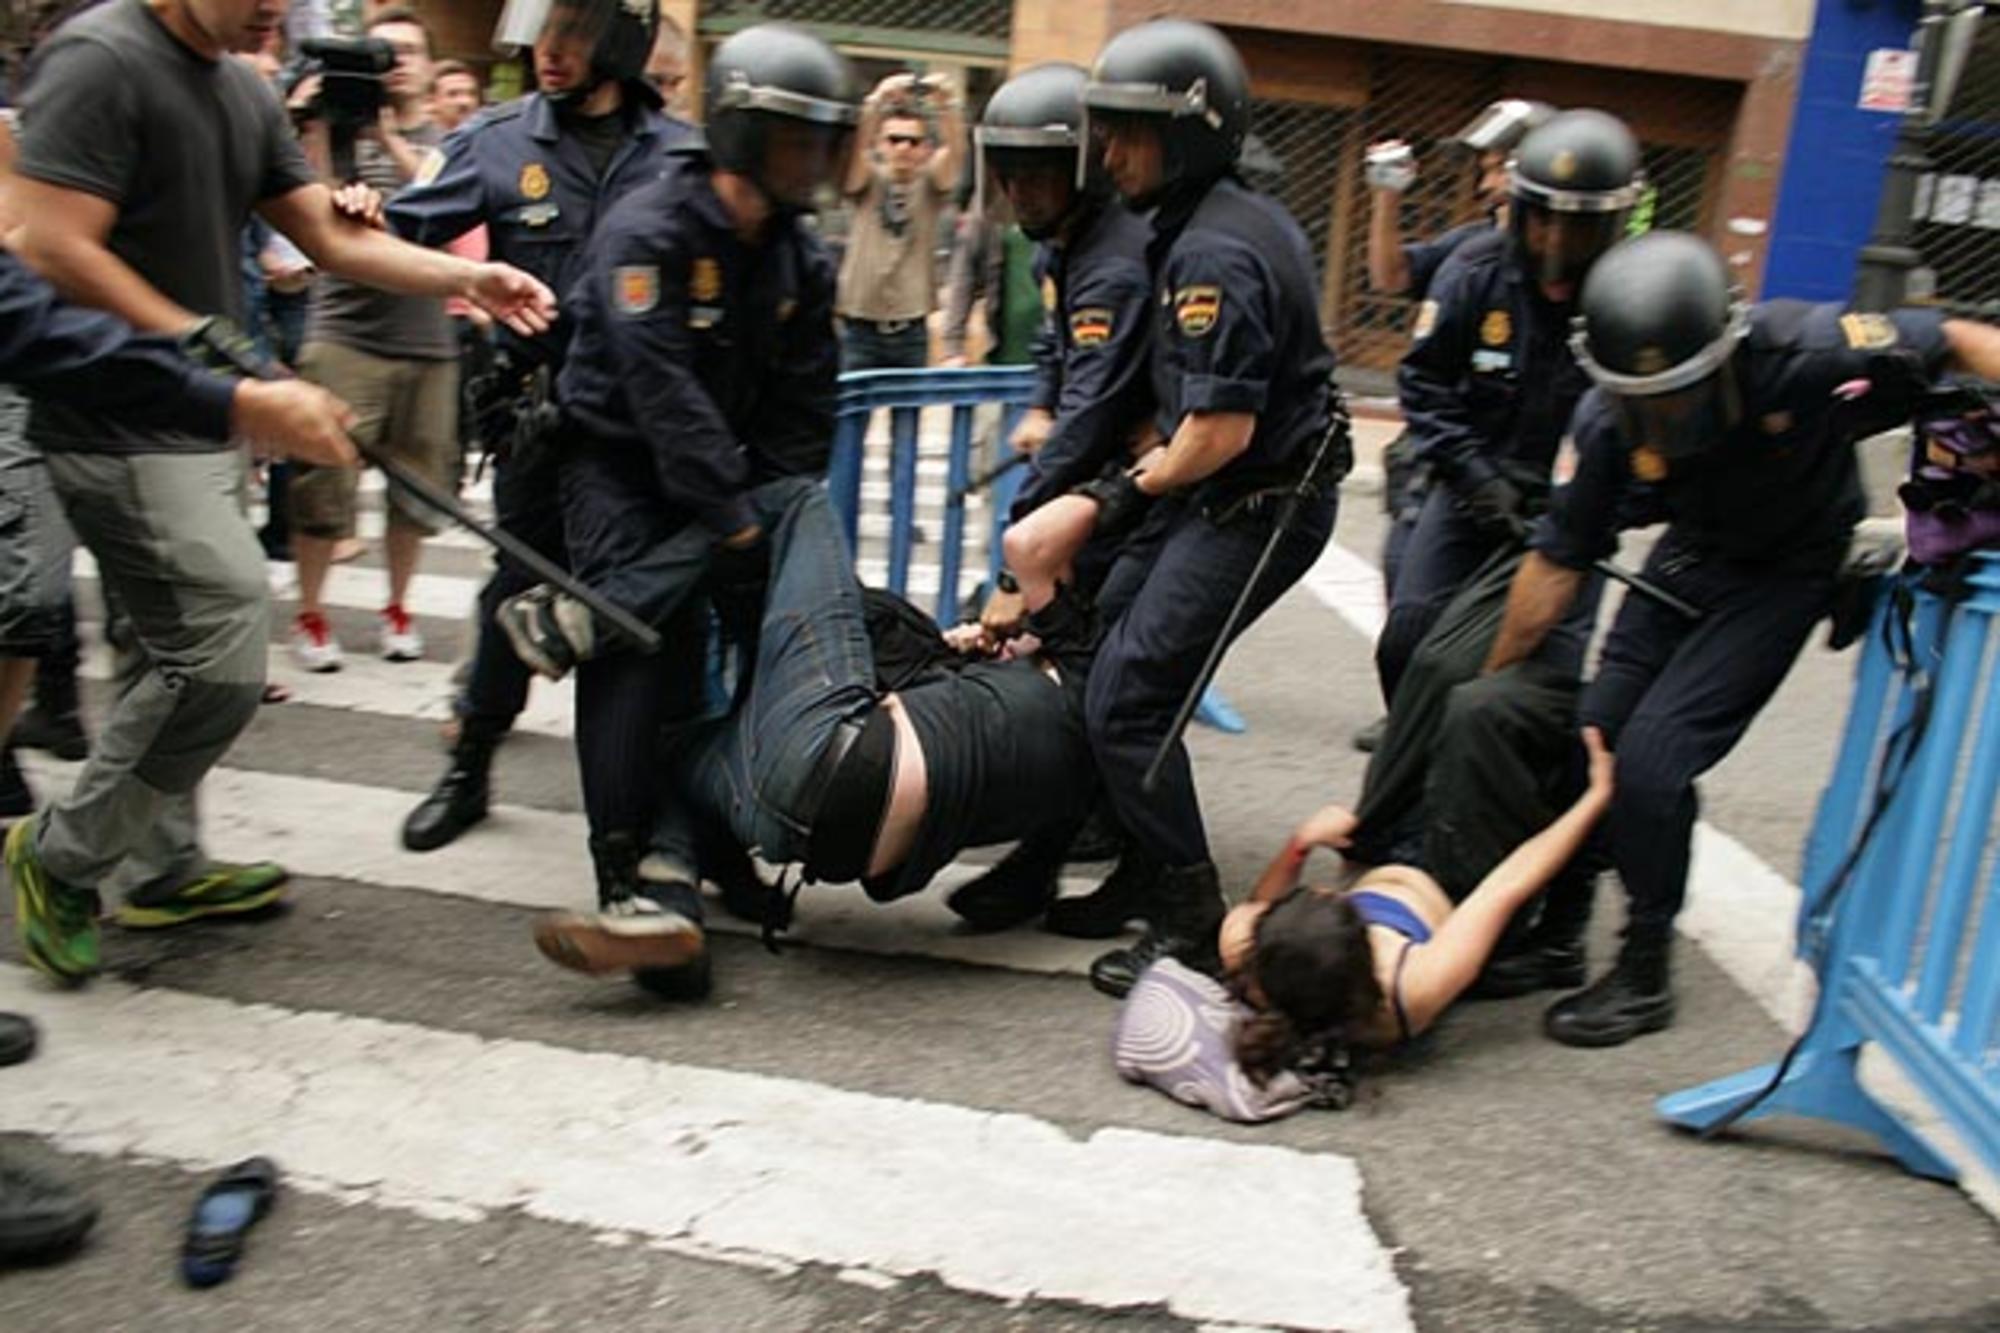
(405,408)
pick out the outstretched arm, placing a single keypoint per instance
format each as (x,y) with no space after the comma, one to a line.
(1441,970)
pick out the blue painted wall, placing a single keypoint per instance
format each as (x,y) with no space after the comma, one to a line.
(1833,166)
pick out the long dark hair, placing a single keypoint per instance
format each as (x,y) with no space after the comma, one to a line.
(1312,961)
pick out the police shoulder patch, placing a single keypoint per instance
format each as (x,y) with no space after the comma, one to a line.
(1496,329)
(428,169)
(1427,319)
(1048,293)
(1196,309)
(635,288)
(1090,327)
(1868,333)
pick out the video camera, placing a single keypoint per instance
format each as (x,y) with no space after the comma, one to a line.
(350,71)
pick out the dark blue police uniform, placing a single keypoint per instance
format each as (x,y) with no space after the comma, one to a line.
(1091,362)
(86,358)
(1487,388)
(1759,525)
(1404,485)
(700,367)
(1236,329)
(540,195)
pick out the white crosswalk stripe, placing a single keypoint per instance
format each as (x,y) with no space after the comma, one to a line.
(746,1169)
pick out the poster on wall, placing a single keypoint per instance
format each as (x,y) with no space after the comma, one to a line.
(1888,80)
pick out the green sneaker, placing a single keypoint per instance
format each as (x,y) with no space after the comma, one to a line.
(225,890)
(57,922)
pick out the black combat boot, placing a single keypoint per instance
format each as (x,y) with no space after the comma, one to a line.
(1127,892)
(1015,891)
(459,799)
(1187,914)
(1633,998)
(1551,956)
(40,1217)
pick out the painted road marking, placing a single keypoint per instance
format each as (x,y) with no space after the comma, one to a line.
(734,1166)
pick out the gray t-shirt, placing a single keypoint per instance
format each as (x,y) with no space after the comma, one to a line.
(368,319)
(184,146)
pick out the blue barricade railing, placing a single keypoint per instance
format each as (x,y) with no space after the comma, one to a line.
(905,394)
(1901,906)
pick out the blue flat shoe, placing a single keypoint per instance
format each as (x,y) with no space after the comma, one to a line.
(222,1219)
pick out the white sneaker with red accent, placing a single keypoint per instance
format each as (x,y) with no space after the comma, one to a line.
(400,640)
(313,643)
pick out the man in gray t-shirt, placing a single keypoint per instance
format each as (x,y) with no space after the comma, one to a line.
(395,358)
(145,149)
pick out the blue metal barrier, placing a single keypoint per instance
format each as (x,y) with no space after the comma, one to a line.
(1907,951)
(905,393)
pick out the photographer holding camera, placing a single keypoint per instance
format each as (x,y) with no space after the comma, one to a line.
(395,358)
(898,186)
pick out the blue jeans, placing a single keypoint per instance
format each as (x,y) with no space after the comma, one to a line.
(814,671)
(865,346)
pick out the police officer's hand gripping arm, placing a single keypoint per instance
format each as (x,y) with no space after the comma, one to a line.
(88,359)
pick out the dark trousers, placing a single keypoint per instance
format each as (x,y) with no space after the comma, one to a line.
(867,345)
(1178,581)
(626,542)
(1674,697)
(1440,552)
(527,503)
(814,670)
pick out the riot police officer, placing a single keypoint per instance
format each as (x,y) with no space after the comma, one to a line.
(1092,383)
(1489,384)
(1735,424)
(538,172)
(1241,376)
(704,362)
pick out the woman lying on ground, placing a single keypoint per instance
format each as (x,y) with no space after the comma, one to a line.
(1376,963)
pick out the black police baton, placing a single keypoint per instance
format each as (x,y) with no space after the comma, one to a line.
(1645,587)
(988,477)
(1338,433)
(220,345)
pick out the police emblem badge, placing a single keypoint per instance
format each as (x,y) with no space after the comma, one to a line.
(1090,327)
(1427,319)
(1868,333)
(635,288)
(1648,463)
(428,169)
(535,181)
(1196,308)
(705,279)
(1496,329)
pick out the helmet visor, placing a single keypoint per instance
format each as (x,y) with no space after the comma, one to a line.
(1027,177)
(1499,127)
(800,161)
(1561,246)
(1682,424)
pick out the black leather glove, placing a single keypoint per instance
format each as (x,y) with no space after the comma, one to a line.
(1121,505)
(1497,507)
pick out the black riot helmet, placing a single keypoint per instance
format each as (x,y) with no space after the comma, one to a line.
(1572,186)
(1188,82)
(580,45)
(781,108)
(1031,151)
(1657,329)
